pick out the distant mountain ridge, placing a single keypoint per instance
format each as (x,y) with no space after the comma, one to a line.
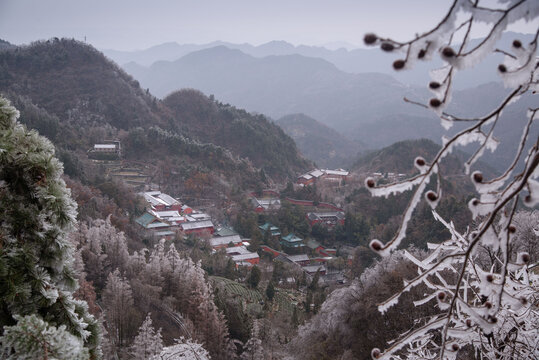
(368,108)
(352,60)
(281,85)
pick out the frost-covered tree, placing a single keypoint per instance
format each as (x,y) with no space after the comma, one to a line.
(494,309)
(253,347)
(103,248)
(33,338)
(148,342)
(117,303)
(37,280)
(184,349)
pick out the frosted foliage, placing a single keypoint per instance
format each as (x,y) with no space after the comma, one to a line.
(148,342)
(500,302)
(184,349)
(36,213)
(480,280)
(32,339)
(253,347)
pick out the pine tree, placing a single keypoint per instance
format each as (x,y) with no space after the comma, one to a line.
(270,291)
(148,342)
(253,347)
(254,277)
(37,280)
(117,302)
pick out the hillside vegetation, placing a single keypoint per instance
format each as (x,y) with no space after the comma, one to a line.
(75,96)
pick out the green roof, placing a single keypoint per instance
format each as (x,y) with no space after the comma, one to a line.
(145,219)
(225,231)
(312,244)
(274,229)
(291,238)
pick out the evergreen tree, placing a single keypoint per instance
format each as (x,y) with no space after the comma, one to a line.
(37,280)
(253,347)
(254,277)
(117,302)
(148,342)
(270,291)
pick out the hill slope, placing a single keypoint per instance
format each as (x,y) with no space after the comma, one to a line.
(318,142)
(89,99)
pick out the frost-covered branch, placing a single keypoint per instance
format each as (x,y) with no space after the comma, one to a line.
(488,308)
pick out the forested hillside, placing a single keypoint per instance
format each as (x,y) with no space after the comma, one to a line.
(318,142)
(77,97)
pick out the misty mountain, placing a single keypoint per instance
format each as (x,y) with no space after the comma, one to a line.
(369,108)
(358,60)
(319,143)
(281,85)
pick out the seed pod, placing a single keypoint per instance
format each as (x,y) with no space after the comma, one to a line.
(448,52)
(488,305)
(502,68)
(512,229)
(455,347)
(468,322)
(490,278)
(517,44)
(370,182)
(525,257)
(370,39)
(434,85)
(375,353)
(421,54)
(399,64)
(441,296)
(475,202)
(434,102)
(524,301)
(477,176)
(387,47)
(431,195)
(376,245)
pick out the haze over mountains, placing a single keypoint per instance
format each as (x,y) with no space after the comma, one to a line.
(344,56)
(278,79)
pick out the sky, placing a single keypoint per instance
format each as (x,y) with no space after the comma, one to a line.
(139,24)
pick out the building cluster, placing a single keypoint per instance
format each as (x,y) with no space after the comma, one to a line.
(309,264)
(266,201)
(234,246)
(166,216)
(313,176)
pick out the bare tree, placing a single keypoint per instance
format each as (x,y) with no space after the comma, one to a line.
(492,309)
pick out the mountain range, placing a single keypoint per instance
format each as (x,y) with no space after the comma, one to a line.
(367,107)
(345,58)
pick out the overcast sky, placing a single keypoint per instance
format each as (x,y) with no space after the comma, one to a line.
(138,24)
